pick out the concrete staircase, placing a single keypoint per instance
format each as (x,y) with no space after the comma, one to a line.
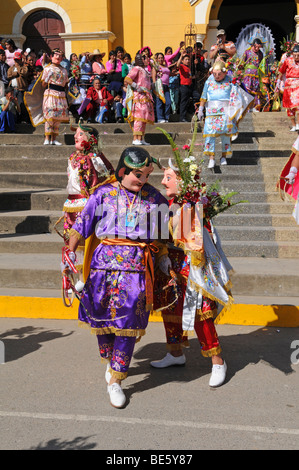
(260,237)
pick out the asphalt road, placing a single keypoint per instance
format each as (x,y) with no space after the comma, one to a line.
(53,393)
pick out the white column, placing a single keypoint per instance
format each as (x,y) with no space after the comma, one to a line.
(212,34)
(297,27)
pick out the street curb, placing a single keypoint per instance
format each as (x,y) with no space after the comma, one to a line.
(239,314)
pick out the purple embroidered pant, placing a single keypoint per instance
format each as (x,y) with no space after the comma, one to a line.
(119,350)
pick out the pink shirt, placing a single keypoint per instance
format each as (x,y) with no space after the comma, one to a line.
(9,56)
(110,65)
(98,68)
(165,74)
(168,57)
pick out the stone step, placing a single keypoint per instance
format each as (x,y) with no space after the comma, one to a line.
(31,243)
(112,128)
(241,241)
(39,221)
(255,276)
(59,180)
(267,234)
(255,220)
(113,136)
(28,221)
(53,199)
(59,164)
(107,139)
(42,151)
(18,200)
(265,249)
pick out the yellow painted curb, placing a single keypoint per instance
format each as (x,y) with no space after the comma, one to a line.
(239,314)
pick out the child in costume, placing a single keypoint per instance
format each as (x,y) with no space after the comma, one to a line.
(139,99)
(87,169)
(203,285)
(121,223)
(289,178)
(55,105)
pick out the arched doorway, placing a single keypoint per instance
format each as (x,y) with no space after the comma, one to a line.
(42,29)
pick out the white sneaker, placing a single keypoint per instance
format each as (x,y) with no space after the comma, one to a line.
(136,142)
(255,110)
(169,360)
(145,143)
(234,137)
(161,121)
(293,129)
(218,375)
(47,142)
(108,374)
(55,142)
(211,163)
(297,127)
(223,161)
(117,396)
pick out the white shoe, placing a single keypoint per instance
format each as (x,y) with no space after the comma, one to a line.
(234,137)
(47,142)
(145,143)
(136,142)
(117,396)
(161,121)
(108,374)
(79,286)
(223,161)
(255,110)
(169,360)
(218,375)
(55,142)
(211,163)
(297,127)
(293,129)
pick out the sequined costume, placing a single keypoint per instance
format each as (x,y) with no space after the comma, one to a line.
(118,294)
(217,96)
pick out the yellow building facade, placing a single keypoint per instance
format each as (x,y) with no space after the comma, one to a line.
(84,25)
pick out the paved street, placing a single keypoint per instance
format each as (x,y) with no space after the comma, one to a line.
(53,394)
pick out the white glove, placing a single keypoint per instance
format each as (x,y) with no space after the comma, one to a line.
(292,175)
(200,113)
(165,264)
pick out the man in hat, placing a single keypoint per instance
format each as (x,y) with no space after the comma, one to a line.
(222,112)
(223,49)
(290,68)
(123,221)
(96,57)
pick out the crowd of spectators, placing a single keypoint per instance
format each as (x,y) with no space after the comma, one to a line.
(96,86)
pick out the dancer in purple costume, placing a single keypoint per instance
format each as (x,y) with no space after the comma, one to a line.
(122,220)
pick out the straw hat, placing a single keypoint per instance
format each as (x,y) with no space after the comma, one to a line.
(97,52)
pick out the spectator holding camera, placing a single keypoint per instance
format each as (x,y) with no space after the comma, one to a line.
(223,49)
